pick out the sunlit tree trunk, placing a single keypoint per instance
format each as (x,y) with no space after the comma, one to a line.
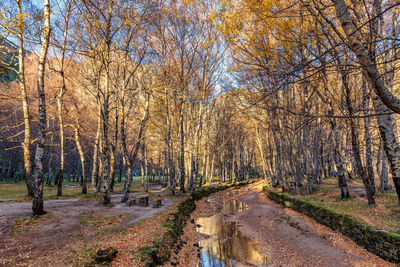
(37,206)
(113,147)
(105,147)
(384,101)
(143,165)
(382,170)
(338,161)
(95,159)
(368,183)
(130,158)
(26,145)
(182,152)
(212,170)
(370,69)
(367,137)
(60,175)
(77,138)
(171,172)
(128,168)
(260,147)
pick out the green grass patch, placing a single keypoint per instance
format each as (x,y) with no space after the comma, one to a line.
(18,191)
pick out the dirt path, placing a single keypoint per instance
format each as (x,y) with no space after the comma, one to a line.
(69,225)
(266,234)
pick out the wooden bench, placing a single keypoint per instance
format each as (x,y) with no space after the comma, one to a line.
(131,202)
(143,200)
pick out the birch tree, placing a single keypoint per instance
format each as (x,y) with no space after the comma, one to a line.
(37,206)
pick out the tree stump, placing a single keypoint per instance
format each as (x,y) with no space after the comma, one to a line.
(105,255)
(157,203)
(143,200)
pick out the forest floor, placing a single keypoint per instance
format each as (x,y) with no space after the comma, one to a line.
(385,214)
(73,229)
(282,237)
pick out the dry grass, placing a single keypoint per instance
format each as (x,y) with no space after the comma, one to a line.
(143,234)
(127,240)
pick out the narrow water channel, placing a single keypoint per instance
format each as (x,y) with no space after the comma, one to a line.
(225,244)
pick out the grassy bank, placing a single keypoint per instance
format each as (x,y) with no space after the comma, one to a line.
(382,243)
(384,215)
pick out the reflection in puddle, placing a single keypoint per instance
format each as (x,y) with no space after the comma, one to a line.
(226,245)
(227,208)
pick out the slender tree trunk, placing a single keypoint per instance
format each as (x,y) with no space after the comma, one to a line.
(234,176)
(196,171)
(384,173)
(129,159)
(60,96)
(143,166)
(99,179)
(390,144)
(171,172)
(77,138)
(37,206)
(105,151)
(212,169)
(207,167)
(367,137)
(368,184)
(128,167)
(338,161)
(113,147)
(356,44)
(112,169)
(50,160)
(192,170)
(26,145)
(259,143)
(106,95)
(60,175)
(182,156)
(148,173)
(95,164)
(128,172)
(121,169)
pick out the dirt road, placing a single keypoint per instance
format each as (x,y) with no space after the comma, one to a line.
(242,227)
(68,227)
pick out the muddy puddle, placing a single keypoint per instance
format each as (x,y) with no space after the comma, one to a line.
(225,244)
